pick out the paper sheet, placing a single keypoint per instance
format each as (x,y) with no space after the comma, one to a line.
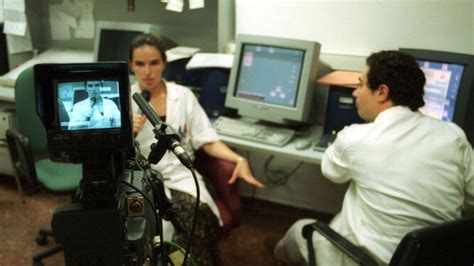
(59,29)
(18,5)
(194,4)
(86,25)
(67,19)
(205,60)
(180,52)
(71,9)
(1,11)
(175,5)
(15,28)
(15,22)
(18,44)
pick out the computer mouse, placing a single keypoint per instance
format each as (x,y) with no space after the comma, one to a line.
(302,144)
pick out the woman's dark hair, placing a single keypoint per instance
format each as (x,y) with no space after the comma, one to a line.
(400,72)
(151,40)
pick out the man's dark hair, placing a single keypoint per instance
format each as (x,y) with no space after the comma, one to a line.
(151,40)
(400,72)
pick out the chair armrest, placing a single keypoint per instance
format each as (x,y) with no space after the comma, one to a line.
(356,253)
(21,156)
(219,171)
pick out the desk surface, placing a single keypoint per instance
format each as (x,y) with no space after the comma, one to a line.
(7,94)
(54,55)
(308,155)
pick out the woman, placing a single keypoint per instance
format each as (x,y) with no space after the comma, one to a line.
(180,109)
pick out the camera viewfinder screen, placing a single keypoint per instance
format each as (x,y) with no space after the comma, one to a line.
(89,104)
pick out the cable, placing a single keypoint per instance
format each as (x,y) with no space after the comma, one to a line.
(146,177)
(196,209)
(282,180)
(181,220)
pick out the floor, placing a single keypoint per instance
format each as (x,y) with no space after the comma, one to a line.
(252,243)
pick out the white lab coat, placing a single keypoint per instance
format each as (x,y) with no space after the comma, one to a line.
(110,118)
(187,118)
(406,170)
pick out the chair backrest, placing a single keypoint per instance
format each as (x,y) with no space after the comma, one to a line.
(225,195)
(28,121)
(79,95)
(450,243)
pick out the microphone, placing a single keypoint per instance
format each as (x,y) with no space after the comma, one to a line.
(162,132)
(146,95)
(93,100)
(89,113)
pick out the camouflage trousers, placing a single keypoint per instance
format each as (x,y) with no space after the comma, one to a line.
(204,247)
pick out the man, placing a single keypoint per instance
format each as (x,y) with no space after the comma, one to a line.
(95,111)
(406,170)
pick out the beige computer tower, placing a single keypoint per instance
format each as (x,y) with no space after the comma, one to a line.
(7,120)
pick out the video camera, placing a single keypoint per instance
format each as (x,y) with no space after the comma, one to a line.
(112,219)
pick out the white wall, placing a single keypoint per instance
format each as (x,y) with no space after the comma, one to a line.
(348,31)
(356,28)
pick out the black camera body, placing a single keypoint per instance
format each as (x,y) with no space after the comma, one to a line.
(111,220)
(120,235)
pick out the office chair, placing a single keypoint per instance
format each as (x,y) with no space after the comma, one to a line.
(225,195)
(450,243)
(78,96)
(28,151)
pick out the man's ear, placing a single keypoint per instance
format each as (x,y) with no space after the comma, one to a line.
(383,93)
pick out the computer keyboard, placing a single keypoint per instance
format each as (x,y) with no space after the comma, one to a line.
(253,132)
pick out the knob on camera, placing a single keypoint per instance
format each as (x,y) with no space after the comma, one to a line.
(135,206)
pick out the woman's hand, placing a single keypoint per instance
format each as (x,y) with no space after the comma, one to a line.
(138,123)
(242,170)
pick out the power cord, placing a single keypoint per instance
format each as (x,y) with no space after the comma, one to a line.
(166,210)
(196,209)
(285,176)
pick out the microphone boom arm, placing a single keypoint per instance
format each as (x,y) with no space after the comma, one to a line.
(167,139)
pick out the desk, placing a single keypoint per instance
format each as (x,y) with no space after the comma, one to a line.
(308,155)
(7,94)
(54,55)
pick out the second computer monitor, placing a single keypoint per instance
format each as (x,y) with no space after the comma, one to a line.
(449,88)
(113,38)
(272,78)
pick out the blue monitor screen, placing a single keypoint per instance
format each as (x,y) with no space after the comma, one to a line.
(269,74)
(441,88)
(88,104)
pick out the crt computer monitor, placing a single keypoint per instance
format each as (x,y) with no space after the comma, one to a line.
(449,88)
(272,78)
(113,38)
